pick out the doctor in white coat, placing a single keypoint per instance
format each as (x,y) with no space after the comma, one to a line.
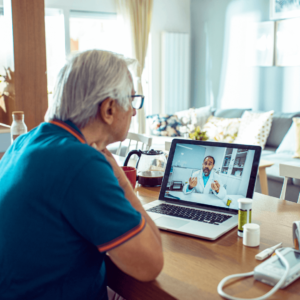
(206,181)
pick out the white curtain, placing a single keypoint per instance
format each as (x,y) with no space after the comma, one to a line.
(137,16)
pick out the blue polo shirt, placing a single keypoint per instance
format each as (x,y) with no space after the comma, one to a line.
(61,209)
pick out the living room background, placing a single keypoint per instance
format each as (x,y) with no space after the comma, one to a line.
(213,73)
(216,77)
(232,86)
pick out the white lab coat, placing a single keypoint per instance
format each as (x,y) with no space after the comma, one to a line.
(199,188)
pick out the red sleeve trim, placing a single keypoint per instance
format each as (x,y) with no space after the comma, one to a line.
(123,238)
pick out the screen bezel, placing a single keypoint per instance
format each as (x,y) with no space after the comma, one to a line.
(253,173)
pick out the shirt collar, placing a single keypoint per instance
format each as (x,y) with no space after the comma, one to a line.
(204,176)
(71,128)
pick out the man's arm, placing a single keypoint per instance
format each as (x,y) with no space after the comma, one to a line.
(141,257)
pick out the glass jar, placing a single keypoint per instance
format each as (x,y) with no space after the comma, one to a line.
(18,126)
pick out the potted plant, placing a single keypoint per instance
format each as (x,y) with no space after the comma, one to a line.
(199,135)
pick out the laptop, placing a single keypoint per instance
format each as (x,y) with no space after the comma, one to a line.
(201,186)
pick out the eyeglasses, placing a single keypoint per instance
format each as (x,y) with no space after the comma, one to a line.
(137,101)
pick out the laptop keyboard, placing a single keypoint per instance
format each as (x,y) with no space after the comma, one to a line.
(190,213)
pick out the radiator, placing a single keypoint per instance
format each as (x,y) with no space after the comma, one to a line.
(175,72)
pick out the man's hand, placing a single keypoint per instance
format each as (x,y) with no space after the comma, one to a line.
(192,182)
(215,186)
(123,181)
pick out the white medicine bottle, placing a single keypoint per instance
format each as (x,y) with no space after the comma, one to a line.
(18,126)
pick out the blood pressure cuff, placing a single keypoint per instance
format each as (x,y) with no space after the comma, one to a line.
(296,235)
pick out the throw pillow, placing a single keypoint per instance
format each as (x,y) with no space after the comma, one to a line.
(165,125)
(185,116)
(281,123)
(222,129)
(202,114)
(288,143)
(194,116)
(255,128)
(296,121)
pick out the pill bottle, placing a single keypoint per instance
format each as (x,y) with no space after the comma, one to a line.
(244,216)
(251,234)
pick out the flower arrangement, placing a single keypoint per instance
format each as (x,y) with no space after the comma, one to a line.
(7,87)
(198,135)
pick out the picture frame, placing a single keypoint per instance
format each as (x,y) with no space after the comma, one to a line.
(284,9)
(287,47)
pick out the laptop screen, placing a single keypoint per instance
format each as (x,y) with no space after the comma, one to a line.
(210,173)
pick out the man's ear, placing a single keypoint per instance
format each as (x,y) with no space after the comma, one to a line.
(107,110)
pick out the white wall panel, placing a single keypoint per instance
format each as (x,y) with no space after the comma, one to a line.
(175,72)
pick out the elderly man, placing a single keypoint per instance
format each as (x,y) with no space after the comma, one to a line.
(65,204)
(205,181)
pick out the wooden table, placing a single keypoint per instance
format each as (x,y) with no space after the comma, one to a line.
(263,179)
(194,267)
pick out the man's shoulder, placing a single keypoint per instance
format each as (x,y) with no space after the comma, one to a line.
(48,143)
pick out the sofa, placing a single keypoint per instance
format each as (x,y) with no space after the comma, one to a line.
(281,124)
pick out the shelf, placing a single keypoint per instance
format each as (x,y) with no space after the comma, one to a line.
(225,166)
(232,176)
(238,167)
(238,153)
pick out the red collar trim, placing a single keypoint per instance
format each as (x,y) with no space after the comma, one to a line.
(69,129)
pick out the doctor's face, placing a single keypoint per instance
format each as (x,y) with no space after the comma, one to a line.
(207,165)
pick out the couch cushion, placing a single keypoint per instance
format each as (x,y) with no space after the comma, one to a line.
(296,181)
(288,144)
(280,126)
(269,150)
(230,113)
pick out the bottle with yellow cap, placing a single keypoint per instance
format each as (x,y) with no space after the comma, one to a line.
(18,126)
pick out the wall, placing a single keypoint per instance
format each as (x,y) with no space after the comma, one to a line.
(188,156)
(170,16)
(180,174)
(220,70)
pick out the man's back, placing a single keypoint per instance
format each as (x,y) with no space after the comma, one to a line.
(55,216)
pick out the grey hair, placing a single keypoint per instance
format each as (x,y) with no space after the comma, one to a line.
(85,81)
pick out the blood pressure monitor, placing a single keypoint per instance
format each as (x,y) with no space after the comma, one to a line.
(272,270)
(279,271)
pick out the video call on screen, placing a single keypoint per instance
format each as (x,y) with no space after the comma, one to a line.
(215,176)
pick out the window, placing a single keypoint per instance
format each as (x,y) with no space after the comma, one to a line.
(95,31)
(2,49)
(55,45)
(71,31)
